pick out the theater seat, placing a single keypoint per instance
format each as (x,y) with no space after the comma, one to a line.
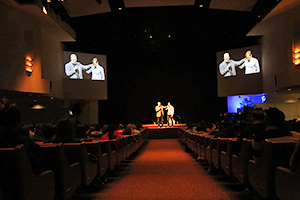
(19,180)
(240,162)
(262,171)
(112,154)
(77,152)
(67,175)
(204,145)
(125,147)
(221,144)
(105,149)
(226,156)
(95,148)
(287,183)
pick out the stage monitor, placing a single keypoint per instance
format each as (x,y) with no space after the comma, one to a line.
(239,71)
(84,76)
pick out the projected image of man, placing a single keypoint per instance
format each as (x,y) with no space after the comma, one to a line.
(251,64)
(227,67)
(96,70)
(73,69)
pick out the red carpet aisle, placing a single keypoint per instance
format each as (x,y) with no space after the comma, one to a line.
(165,171)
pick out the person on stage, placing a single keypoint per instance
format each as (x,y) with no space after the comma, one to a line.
(73,69)
(227,67)
(97,70)
(251,64)
(159,109)
(170,113)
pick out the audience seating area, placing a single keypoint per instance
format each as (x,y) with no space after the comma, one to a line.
(71,166)
(268,176)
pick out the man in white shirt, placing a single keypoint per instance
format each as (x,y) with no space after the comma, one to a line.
(251,64)
(97,70)
(170,113)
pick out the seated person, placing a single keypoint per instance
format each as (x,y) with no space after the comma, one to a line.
(120,129)
(249,132)
(10,137)
(81,133)
(275,127)
(127,131)
(48,133)
(111,134)
(190,127)
(65,132)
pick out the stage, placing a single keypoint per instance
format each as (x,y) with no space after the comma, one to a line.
(155,126)
(162,133)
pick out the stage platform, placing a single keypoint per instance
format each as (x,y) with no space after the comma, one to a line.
(155,126)
(164,132)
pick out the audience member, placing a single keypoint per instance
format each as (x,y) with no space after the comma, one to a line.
(111,134)
(65,132)
(190,127)
(48,133)
(249,132)
(275,127)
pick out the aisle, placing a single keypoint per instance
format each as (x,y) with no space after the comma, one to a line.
(164,171)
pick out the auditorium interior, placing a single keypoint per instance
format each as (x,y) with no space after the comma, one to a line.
(112,146)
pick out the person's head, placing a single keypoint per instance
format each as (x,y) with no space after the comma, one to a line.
(248,55)
(158,103)
(120,126)
(226,57)
(10,117)
(258,116)
(189,125)
(80,131)
(73,58)
(104,129)
(169,103)
(64,128)
(110,130)
(127,131)
(274,116)
(48,132)
(95,61)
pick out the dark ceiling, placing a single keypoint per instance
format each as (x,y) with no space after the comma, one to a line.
(163,29)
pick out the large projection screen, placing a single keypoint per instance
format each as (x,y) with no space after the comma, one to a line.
(244,76)
(84,76)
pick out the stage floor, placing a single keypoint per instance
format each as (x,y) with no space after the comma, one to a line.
(155,126)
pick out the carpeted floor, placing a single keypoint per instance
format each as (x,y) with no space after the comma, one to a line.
(164,171)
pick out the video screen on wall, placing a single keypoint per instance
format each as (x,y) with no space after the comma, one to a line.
(239,71)
(85,75)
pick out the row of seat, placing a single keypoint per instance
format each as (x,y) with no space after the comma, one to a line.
(268,175)
(71,166)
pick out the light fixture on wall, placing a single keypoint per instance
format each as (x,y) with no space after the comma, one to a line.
(296,57)
(28,65)
(45,8)
(296,44)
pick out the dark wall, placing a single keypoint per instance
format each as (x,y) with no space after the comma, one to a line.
(138,79)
